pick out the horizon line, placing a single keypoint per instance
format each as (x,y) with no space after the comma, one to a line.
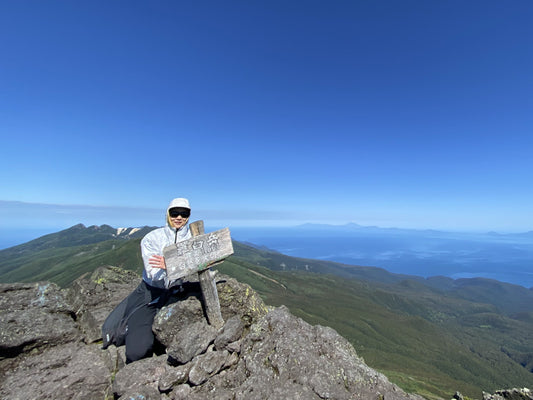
(62,216)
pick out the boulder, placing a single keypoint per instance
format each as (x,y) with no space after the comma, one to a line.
(512,394)
(192,340)
(34,316)
(94,296)
(144,373)
(69,371)
(231,333)
(284,357)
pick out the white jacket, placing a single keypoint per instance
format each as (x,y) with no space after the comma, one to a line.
(153,244)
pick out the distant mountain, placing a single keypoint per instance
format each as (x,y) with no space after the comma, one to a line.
(77,235)
(430,336)
(63,256)
(353,227)
(356,227)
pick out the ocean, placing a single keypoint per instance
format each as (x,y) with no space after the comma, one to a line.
(507,258)
(10,237)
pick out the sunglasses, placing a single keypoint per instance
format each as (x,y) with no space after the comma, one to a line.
(179,213)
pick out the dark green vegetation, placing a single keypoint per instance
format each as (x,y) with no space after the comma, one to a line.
(62,257)
(431,337)
(427,340)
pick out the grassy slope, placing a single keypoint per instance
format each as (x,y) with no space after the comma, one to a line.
(62,265)
(424,339)
(433,359)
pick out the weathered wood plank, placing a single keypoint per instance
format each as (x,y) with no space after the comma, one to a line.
(211,301)
(197,253)
(197,228)
(208,286)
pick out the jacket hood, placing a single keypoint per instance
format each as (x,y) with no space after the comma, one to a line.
(177,202)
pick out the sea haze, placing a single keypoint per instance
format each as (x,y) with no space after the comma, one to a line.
(12,237)
(504,257)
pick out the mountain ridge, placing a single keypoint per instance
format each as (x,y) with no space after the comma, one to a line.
(356,226)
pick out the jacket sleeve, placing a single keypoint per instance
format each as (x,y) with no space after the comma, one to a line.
(150,246)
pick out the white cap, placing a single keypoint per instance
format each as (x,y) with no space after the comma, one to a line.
(179,202)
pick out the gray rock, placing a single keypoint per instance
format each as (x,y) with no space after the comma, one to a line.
(193,339)
(141,393)
(172,319)
(174,377)
(239,299)
(140,374)
(71,371)
(45,295)
(511,394)
(94,297)
(283,348)
(234,347)
(33,316)
(206,365)
(114,358)
(284,357)
(231,332)
(182,392)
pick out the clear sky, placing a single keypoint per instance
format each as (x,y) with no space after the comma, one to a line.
(409,113)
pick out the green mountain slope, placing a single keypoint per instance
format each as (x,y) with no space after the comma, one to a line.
(63,256)
(431,336)
(424,341)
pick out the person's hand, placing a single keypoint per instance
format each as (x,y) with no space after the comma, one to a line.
(157,262)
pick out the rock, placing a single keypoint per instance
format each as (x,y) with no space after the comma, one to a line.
(512,394)
(174,318)
(182,392)
(141,393)
(141,374)
(206,365)
(239,299)
(192,340)
(34,316)
(183,328)
(94,297)
(284,348)
(231,332)
(21,296)
(114,358)
(174,377)
(284,357)
(70,371)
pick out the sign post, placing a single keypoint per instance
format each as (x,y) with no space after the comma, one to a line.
(199,254)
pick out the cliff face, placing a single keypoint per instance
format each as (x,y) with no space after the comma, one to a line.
(49,348)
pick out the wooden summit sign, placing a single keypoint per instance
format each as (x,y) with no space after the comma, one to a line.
(197,254)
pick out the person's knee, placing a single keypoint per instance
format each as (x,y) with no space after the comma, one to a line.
(139,341)
(139,349)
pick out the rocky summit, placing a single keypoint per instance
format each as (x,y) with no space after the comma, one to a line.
(50,348)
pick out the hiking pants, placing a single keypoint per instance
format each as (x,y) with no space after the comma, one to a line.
(139,337)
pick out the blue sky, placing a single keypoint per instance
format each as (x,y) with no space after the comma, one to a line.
(410,113)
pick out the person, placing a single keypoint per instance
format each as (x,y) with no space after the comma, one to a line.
(155,288)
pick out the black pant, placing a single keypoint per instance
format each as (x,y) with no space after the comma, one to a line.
(140,337)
